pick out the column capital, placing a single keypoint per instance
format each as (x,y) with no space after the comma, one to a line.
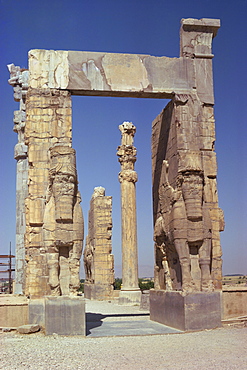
(128,175)
(128,131)
(19,80)
(196,37)
(127,156)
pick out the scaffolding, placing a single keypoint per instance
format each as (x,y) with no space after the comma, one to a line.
(10,269)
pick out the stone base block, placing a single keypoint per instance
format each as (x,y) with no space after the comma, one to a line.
(234,302)
(129,297)
(194,311)
(98,292)
(13,311)
(65,315)
(88,291)
(144,305)
(37,312)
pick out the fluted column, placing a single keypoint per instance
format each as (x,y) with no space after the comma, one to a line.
(130,292)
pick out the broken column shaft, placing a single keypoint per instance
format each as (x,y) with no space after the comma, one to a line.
(130,292)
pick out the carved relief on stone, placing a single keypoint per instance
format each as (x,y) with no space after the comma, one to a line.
(19,80)
(127,153)
(128,175)
(88,261)
(184,224)
(63,229)
(62,182)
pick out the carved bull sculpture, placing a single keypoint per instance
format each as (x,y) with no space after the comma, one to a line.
(183,223)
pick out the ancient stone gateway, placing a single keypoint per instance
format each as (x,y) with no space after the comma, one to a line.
(187,219)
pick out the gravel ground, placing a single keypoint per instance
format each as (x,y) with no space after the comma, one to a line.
(224,348)
(216,349)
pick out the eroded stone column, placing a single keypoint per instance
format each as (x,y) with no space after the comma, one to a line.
(130,292)
(19,81)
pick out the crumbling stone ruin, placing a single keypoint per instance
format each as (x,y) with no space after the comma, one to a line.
(187,218)
(97,256)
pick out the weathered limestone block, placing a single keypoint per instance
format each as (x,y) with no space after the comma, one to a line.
(196,43)
(186,312)
(130,292)
(92,73)
(13,310)
(65,315)
(98,259)
(234,302)
(48,65)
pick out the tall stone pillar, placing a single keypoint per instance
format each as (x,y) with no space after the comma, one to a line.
(19,81)
(130,292)
(187,217)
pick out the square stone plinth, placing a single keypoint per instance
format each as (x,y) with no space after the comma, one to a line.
(65,315)
(129,297)
(193,311)
(13,310)
(37,311)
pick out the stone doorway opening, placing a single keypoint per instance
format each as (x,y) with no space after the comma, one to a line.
(96,136)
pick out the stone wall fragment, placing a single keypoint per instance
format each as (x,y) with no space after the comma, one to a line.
(98,258)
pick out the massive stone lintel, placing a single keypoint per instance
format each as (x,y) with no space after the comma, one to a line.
(108,74)
(132,75)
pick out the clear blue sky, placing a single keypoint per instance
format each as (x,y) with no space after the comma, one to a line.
(141,27)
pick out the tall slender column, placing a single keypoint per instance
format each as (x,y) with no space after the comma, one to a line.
(19,81)
(130,292)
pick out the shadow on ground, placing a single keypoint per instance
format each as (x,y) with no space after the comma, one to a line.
(123,325)
(94,320)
